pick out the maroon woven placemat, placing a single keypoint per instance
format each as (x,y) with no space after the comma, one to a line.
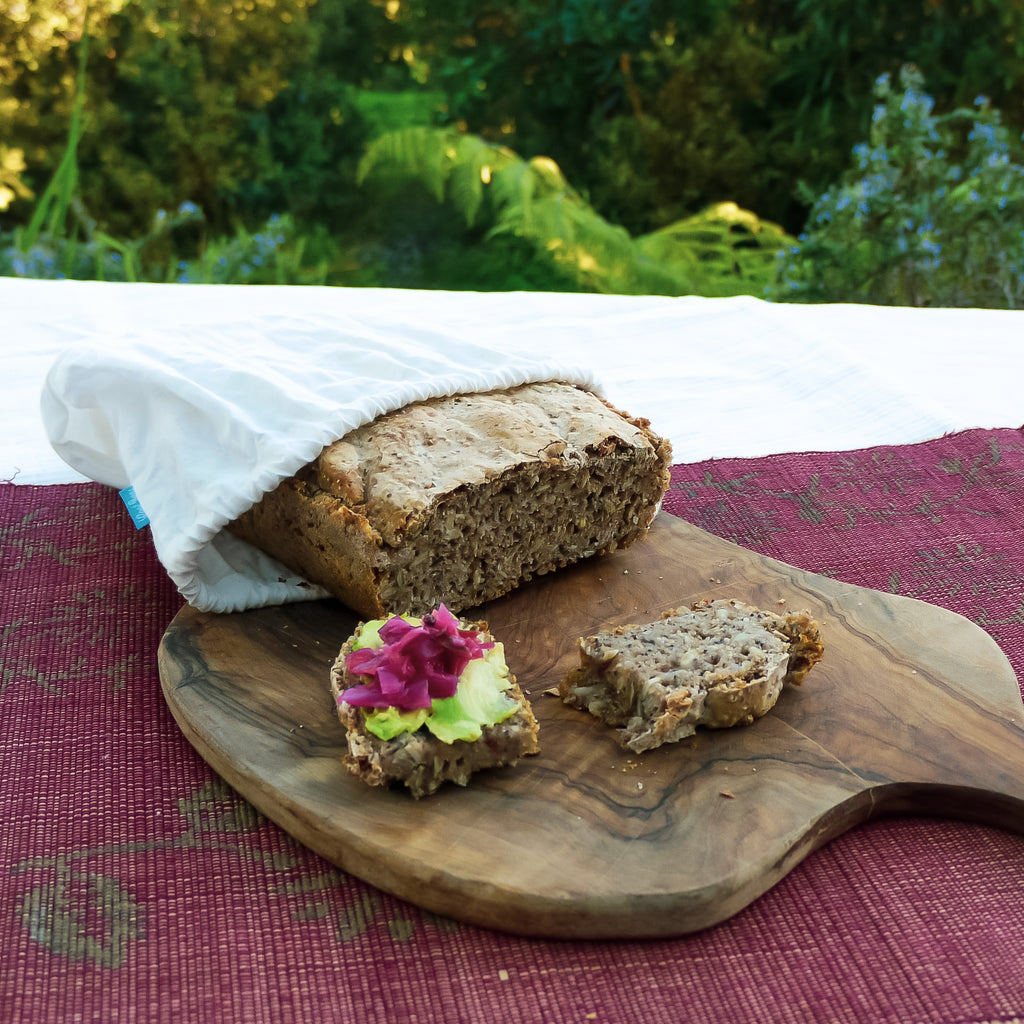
(137,887)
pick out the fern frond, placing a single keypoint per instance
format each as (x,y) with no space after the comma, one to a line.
(473,166)
(448,163)
(731,249)
(422,153)
(513,190)
(723,250)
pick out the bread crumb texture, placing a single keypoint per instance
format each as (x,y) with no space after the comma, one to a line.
(717,664)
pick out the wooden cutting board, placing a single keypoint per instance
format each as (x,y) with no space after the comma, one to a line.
(914,710)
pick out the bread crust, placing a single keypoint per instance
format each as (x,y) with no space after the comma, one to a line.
(320,538)
(460,499)
(716,664)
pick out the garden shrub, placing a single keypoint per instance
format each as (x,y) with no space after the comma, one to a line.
(698,133)
(172,109)
(169,89)
(310,136)
(38,71)
(930,214)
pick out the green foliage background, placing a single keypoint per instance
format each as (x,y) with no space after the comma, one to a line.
(648,145)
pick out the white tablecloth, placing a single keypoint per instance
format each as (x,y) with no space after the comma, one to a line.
(719,377)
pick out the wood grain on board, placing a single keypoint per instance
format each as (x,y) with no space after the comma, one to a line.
(914,710)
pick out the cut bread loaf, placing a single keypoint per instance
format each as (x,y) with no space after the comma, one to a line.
(716,664)
(419,760)
(460,499)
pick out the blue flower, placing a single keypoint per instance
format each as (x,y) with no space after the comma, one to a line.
(913,98)
(987,132)
(874,184)
(188,208)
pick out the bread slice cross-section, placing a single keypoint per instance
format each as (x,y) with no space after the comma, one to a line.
(717,664)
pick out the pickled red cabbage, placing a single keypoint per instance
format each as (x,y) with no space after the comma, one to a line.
(415,663)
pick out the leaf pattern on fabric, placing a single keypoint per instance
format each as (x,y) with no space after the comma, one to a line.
(82,916)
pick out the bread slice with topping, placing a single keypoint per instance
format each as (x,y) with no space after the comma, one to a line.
(487,722)
(717,664)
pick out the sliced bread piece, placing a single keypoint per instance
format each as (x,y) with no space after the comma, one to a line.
(718,664)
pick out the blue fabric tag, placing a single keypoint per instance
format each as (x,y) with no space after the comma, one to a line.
(131,502)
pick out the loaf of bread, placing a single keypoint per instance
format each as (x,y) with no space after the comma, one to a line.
(418,759)
(716,664)
(458,500)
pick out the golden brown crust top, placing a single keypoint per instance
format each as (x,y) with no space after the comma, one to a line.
(402,463)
